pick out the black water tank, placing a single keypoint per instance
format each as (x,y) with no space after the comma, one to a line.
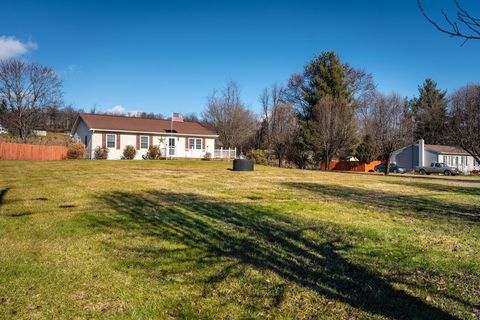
(242,165)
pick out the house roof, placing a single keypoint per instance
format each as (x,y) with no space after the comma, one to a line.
(445,149)
(124,123)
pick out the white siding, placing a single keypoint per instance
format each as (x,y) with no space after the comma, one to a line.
(160,140)
(461,162)
(80,134)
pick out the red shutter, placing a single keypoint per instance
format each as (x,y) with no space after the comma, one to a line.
(151,141)
(186,143)
(203,143)
(118,140)
(138,142)
(104,139)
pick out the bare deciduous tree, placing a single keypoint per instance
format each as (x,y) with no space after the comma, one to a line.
(149,115)
(227,115)
(465,120)
(391,125)
(333,129)
(464,25)
(26,89)
(192,116)
(283,129)
(269,99)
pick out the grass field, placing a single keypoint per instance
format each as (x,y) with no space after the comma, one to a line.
(194,240)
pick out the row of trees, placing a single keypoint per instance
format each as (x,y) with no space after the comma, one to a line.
(333,111)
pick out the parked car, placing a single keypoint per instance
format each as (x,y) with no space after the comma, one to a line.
(393,168)
(437,167)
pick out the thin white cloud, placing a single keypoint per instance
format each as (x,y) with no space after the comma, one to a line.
(72,68)
(121,110)
(11,47)
(118,109)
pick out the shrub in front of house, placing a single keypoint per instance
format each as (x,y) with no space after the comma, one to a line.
(207,156)
(76,151)
(258,156)
(129,153)
(101,153)
(153,153)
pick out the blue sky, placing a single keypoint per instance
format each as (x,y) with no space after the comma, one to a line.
(165,56)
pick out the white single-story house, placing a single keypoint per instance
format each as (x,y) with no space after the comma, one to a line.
(39,132)
(421,154)
(175,139)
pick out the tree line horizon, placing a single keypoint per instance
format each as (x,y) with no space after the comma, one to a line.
(329,110)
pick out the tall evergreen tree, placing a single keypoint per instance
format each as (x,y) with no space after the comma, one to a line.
(430,112)
(324,95)
(325,75)
(366,150)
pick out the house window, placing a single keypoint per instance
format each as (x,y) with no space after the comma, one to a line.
(143,142)
(447,160)
(195,143)
(111,141)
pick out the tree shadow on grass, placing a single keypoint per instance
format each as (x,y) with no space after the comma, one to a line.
(260,237)
(418,205)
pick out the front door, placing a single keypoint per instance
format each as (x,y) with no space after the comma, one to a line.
(171,146)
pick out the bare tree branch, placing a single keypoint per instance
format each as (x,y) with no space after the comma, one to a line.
(229,117)
(465,27)
(26,91)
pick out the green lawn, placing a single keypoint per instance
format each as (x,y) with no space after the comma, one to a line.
(175,239)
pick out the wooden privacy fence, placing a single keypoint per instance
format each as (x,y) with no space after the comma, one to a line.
(351,166)
(17,151)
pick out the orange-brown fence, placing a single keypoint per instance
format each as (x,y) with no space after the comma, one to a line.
(17,151)
(352,166)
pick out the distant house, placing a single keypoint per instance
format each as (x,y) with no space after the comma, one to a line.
(39,132)
(176,140)
(3,130)
(421,154)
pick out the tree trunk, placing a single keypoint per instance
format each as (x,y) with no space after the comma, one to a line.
(387,166)
(23,135)
(327,164)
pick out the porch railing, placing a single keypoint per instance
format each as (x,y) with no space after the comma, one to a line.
(225,153)
(221,153)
